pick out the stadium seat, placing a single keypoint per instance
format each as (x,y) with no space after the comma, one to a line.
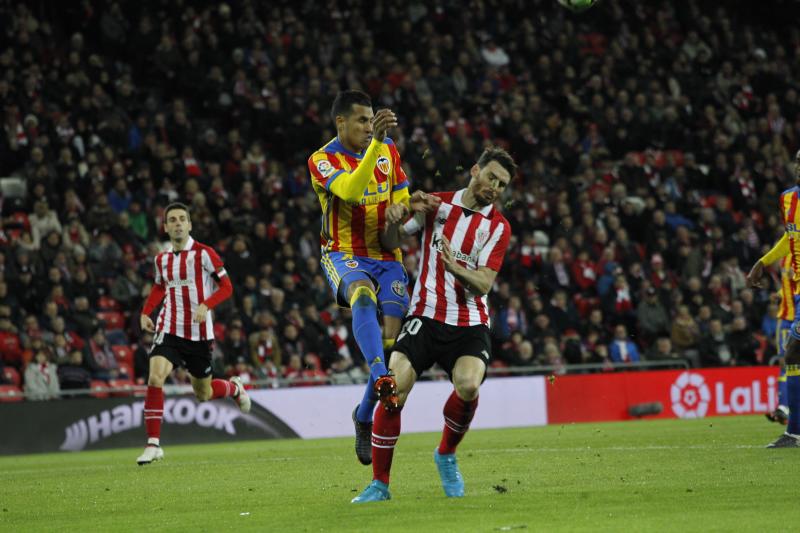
(11,393)
(107,303)
(99,388)
(112,319)
(125,384)
(123,353)
(126,369)
(11,374)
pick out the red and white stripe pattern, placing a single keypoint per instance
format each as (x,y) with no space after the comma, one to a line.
(386,443)
(454,426)
(188,279)
(153,414)
(477,239)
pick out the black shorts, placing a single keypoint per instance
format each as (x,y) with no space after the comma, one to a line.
(426,341)
(195,356)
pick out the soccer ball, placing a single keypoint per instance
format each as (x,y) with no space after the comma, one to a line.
(577,5)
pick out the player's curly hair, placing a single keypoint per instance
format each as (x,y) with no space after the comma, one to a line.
(495,153)
(345,100)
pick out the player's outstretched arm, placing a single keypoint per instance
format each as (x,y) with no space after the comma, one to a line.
(755,278)
(421,202)
(478,281)
(396,214)
(157,293)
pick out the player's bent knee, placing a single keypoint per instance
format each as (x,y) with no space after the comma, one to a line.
(363,295)
(467,386)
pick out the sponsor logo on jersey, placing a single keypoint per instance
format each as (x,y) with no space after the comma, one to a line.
(351,263)
(436,242)
(384,165)
(325,168)
(398,288)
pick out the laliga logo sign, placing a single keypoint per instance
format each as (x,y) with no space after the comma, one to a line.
(690,396)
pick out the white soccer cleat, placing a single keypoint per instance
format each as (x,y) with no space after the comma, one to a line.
(243,399)
(151,454)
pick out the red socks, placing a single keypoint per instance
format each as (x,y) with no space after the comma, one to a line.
(457,416)
(153,412)
(385,432)
(222,388)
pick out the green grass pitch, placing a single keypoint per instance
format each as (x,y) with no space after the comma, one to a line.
(676,475)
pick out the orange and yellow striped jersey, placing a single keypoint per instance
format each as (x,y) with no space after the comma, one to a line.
(355,228)
(788,290)
(790,215)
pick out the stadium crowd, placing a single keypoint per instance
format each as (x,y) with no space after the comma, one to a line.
(652,142)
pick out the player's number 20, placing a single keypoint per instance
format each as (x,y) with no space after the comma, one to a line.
(410,328)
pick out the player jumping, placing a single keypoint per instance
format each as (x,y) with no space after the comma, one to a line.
(357,176)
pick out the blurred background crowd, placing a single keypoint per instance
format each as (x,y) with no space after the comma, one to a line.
(653,140)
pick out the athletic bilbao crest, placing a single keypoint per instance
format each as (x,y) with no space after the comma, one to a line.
(481,236)
(384,165)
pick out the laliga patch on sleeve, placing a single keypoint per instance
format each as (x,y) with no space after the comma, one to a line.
(325,168)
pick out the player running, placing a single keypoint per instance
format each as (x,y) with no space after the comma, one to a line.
(357,176)
(789,244)
(186,274)
(462,250)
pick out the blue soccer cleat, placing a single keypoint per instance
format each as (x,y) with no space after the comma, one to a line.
(452,482)
(377,491)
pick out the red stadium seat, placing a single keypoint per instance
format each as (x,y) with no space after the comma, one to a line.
(11,374)
(99,389)
(123,353)
(11,393)
(107,303)
(125,384)
(126,369)
(112,319)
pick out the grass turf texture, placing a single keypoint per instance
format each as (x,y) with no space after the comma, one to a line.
(701,475)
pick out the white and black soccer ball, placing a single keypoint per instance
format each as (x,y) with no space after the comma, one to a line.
(577,5)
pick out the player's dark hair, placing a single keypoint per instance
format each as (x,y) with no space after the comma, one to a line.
(501,156)
(177,205)
(345,100)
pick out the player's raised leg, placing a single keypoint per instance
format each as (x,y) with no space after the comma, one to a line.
(458,412)
(160,367)
(210,389)
(386,431)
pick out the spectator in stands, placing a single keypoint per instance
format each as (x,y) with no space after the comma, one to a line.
(100,357)
(651,316)
(41,379)
(43,221)
(715,349)
(661,350)
(685,333)
(743,343)
(622,349)
(74,374)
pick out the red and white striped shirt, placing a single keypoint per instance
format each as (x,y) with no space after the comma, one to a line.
(477,239)
(188,278)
